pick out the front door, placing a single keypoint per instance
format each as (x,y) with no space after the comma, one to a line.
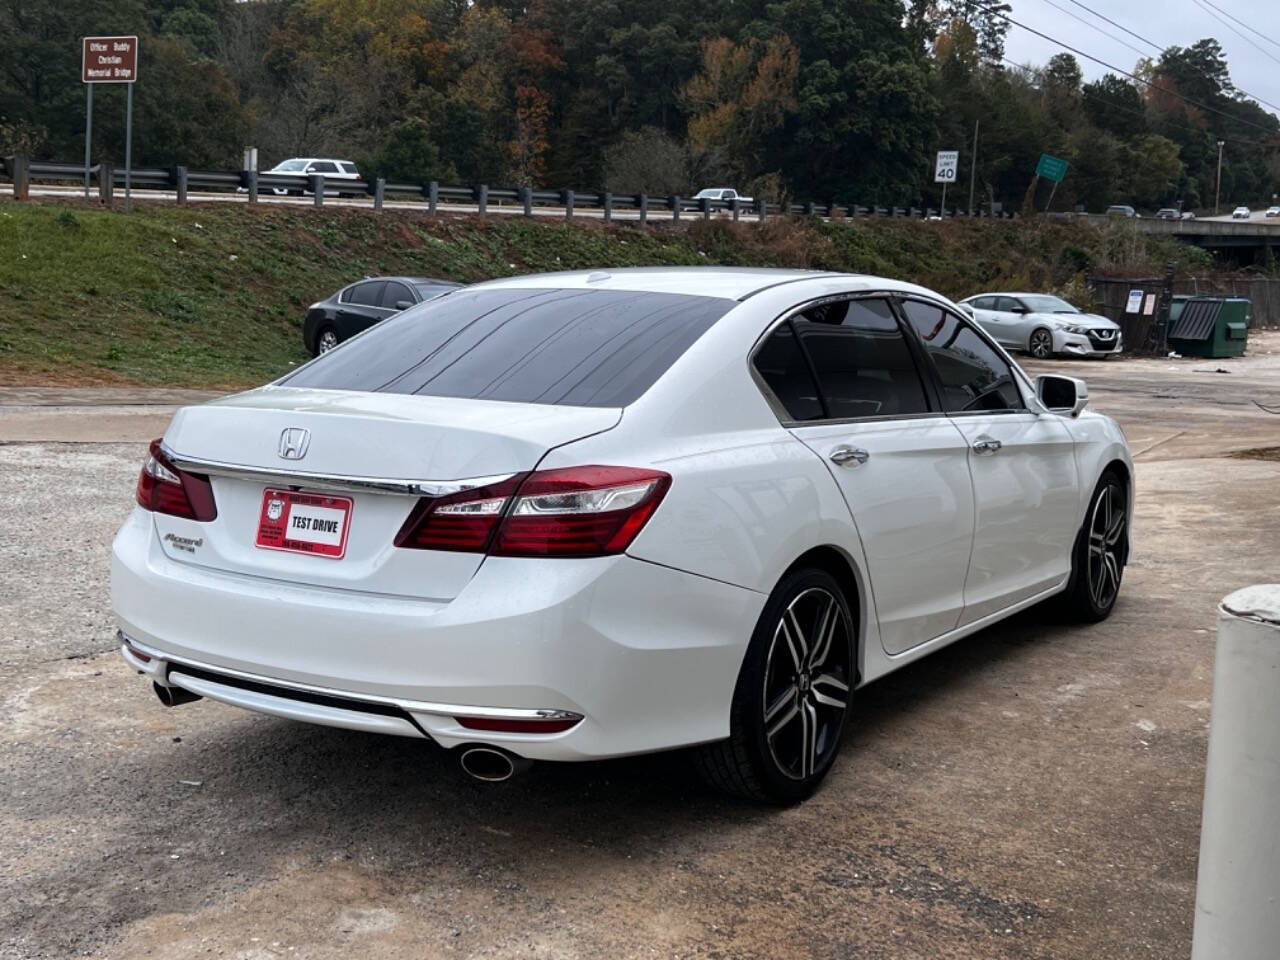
(1022,465)
(901,465)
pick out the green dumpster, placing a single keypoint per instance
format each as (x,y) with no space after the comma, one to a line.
(1209,326)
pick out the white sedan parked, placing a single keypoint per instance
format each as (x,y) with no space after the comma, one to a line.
(586,515)
(1044,325)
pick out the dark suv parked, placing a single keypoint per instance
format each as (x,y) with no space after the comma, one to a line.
(362,304)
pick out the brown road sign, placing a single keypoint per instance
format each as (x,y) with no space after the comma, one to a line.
(109,60)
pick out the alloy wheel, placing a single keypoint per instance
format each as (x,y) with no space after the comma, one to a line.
(1041,344)
(806,683)
(1106,540)
(328,340)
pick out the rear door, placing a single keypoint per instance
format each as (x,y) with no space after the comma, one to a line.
(360,307)
(900,464)
(1022,464)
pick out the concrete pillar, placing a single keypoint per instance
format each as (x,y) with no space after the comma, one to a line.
(317,188)
(251,183)
(482,199)
(566,197)
(379,193)
(20,168)
(1238,889)
(644,208)
(433,196)
(180,182)
(526,198)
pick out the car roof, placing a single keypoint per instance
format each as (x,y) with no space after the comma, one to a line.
(732,283)
(403,279)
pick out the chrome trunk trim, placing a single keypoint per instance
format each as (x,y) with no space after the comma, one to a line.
(302,478)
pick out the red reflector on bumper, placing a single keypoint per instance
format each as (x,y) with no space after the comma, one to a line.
(498,725)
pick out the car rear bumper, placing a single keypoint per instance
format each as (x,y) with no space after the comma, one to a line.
(647,655)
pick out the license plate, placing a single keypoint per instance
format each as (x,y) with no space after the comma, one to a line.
(311,523)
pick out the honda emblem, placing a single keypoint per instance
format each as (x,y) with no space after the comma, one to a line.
(293,443)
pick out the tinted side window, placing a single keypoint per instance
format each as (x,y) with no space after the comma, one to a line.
(324,166)
(349,168)
(973,375)
(365,294)
(1006,304)
(864,366)
(984,303)
(591,348)
(395,292)
(783,367)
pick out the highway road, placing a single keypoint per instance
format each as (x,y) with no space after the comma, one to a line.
(656,214)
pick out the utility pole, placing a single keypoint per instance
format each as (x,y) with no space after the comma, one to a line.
(1217,196)
(973,167)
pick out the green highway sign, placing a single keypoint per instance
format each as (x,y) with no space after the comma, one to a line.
(1051,168)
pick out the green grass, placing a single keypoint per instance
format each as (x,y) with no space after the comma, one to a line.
(215,295)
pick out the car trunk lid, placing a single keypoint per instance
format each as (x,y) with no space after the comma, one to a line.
(354,465)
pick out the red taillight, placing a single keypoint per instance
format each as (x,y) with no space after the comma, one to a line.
(163,488)
(461,522)
(572,512)
(498,725)
(580,512)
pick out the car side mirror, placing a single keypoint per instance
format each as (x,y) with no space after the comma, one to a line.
(403,304)
(1065,395)
(1020,309)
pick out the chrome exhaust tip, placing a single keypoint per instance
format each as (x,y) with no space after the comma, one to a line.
(491,764)
(174,696)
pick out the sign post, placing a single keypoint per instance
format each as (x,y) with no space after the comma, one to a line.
(109,60)
(1051,168)
(944,172)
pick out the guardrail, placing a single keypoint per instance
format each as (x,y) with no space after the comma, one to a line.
(181,181)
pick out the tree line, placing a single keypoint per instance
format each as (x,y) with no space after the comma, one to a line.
(806,99)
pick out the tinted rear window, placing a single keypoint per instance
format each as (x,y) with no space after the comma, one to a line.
(591,348)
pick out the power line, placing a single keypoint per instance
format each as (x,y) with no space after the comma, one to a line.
(1160,49)
(1243,24)
(1261,49)
(1080,53)
(1137,36)
(1094,26)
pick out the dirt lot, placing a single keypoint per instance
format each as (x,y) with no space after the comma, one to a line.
(1032,792)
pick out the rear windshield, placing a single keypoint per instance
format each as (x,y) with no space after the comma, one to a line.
(588,348)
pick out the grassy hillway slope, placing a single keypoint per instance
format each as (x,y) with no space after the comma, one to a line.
(214,296)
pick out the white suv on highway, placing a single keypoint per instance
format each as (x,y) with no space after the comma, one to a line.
(301,168)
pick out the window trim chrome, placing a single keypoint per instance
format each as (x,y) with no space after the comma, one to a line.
(324,481)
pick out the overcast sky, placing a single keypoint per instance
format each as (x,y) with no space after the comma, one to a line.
(1164,22)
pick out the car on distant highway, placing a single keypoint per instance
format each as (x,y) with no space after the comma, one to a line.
(360,305)
(1273,212)
(1044,325)
(575,516)
(1187,215)
(299,169)
(1166,213)
(723,194)
(1121,210)
(1241,213)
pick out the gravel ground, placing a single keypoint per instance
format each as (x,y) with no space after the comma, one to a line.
(1031,792)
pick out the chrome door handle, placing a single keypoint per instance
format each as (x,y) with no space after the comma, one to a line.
(849,456)
(985,444)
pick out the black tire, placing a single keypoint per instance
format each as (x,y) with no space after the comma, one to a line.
(1100,553)
(1040,343)
(791,702)
(326,340)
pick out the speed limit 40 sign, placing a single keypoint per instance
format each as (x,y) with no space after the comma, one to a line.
(945,169)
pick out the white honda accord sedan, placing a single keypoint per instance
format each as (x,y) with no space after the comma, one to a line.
(586,515)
